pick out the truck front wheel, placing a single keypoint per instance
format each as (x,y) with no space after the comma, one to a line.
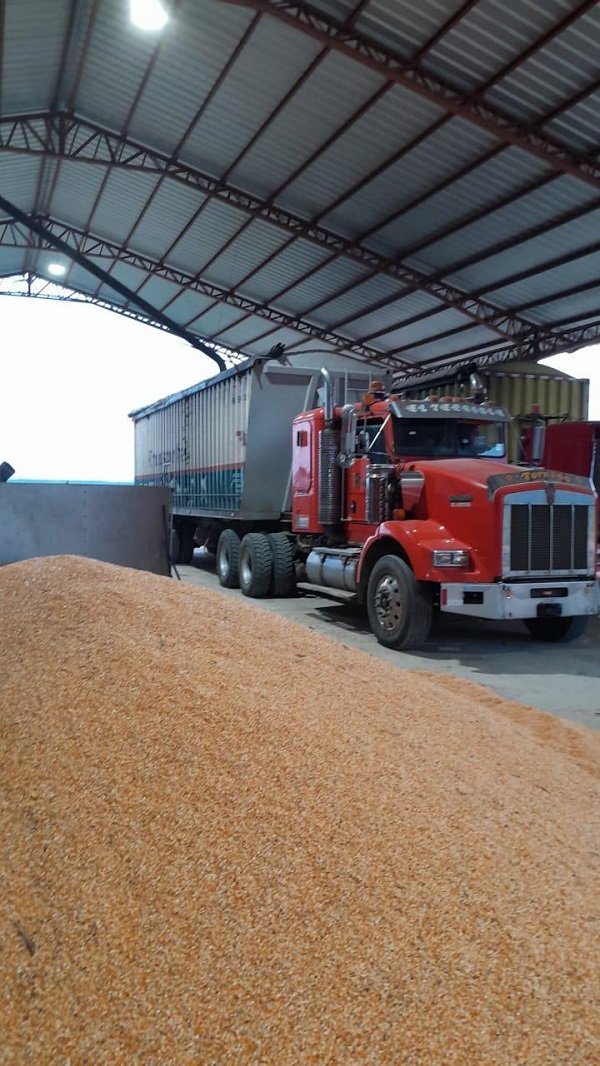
(256,565)
(228,559)
(552,630)
(400,608)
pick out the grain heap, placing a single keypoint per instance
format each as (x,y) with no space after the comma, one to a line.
(227,840)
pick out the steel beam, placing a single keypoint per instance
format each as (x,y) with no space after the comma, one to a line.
(73,138)
(392,160)
(533,348)
(460,14)
(474,109)
(61,295)
(45,234)
(81,245)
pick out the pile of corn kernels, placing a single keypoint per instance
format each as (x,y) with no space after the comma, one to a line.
(225,839)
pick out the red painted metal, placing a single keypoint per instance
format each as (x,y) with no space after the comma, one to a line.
(305,470)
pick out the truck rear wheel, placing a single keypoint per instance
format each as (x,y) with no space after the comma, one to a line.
(182,544)
(228,559)
(553,630)
(256,565)
(400,608)
(284,575)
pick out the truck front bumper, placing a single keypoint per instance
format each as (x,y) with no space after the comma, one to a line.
(535,599)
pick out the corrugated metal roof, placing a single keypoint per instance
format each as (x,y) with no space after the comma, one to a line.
(387,127)
(76,192)
(532,255)
(436,158)
(580,125)
(540,206)
(193,52)
(328,98)
(504,176)
(373,292)
(253,125)
(402,24)
(491,36)
(122,199)
(248,96)
(290,266)
(19,180)
(206,236)
(561,70)
(31,66)
(545,282)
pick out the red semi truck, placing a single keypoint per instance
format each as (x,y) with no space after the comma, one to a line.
(408,504)
(411,506)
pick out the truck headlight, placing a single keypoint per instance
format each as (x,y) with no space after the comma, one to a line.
(441,557)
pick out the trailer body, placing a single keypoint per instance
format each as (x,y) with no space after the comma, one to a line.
(224,446)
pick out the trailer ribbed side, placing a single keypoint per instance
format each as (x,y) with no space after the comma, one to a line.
(196,445)
(224,447)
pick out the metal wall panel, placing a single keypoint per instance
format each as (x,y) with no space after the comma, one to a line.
(554,393)
(521,386)
(121,524)
(521,389)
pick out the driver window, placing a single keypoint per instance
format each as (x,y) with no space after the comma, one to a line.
(364,439)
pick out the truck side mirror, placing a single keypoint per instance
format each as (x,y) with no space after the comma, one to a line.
(347,453)
(538,434)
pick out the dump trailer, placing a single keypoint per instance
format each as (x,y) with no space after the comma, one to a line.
(224,446)
(409,504)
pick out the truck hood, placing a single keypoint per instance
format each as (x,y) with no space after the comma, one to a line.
(461,496)
(486,475)
(460,475)
(455,495)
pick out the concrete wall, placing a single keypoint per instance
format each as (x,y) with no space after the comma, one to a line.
(120,524)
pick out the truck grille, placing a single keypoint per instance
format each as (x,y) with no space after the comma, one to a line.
(545,538)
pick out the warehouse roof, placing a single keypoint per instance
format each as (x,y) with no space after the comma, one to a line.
(407,183)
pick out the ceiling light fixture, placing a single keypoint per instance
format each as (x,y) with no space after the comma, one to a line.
(149,15)
(57,269)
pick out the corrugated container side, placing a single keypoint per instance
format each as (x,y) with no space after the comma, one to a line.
(524,386)
(550,390)
(196,446)
(224,448)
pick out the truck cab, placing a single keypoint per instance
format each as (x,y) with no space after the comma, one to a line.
(412,505)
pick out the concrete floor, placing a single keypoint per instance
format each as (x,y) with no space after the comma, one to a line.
(560,678)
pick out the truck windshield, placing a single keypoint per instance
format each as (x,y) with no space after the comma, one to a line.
(437,438)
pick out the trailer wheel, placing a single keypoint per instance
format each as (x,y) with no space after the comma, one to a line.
(182,544)
(256,565)
(284,574)
(553,630)
(400,608)
(228,559)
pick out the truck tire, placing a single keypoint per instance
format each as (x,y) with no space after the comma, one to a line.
(228,559)
(182,544)
(284,573)
(553,630)
(256,565)
(400,608)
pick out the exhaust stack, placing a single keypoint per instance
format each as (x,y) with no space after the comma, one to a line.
(330,484)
